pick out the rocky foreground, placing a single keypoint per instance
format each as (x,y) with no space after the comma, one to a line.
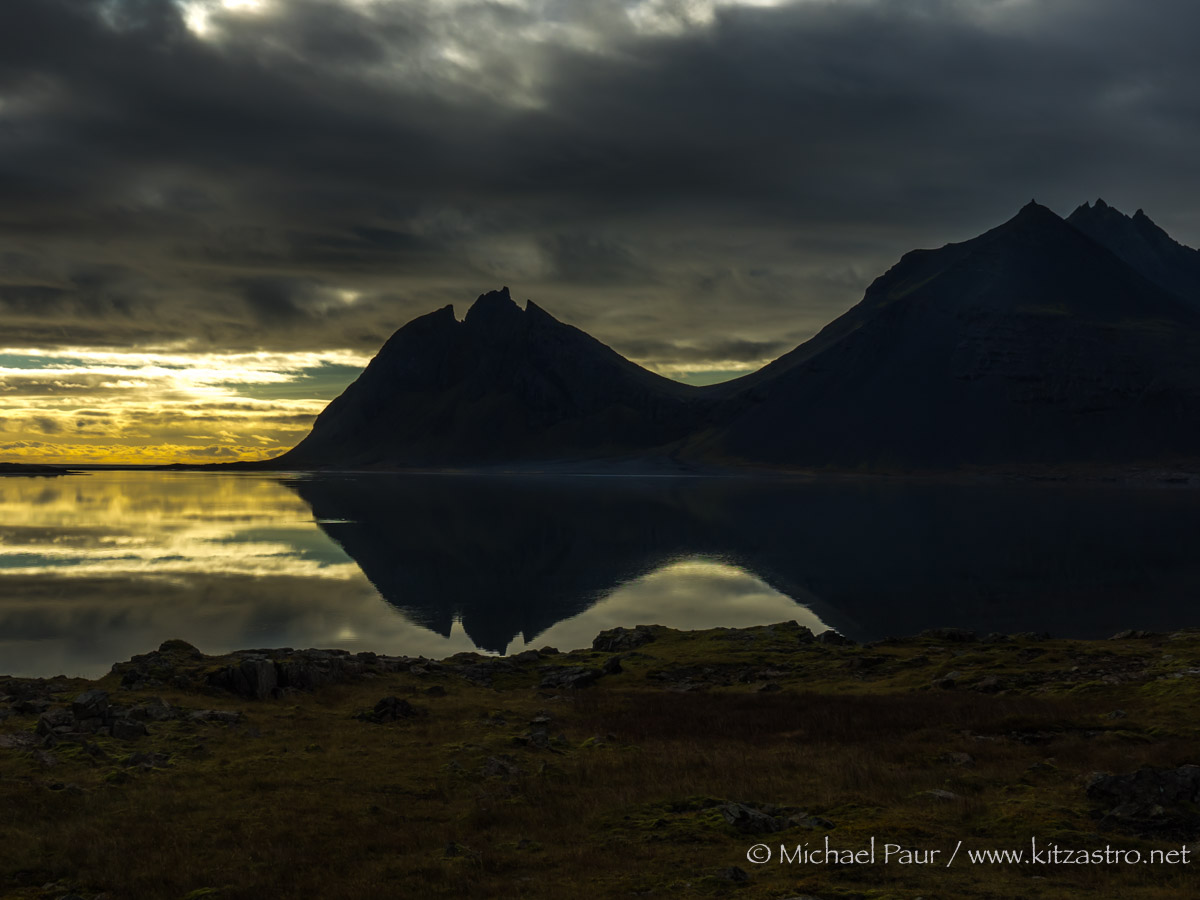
(656,763)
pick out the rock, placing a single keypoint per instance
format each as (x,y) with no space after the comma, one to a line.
(219,716)
(153,710)
(55,721)
(615,640)
(769,687)
(180,647)
(1151,800)
(988,685)
(1133,635)
(255,678)
(802,633)
(502,766)
(391,709)
(832,638)
(568,677)
(939,794)
(35,706)
(950,635)
(995,637)
(90,705)
(435,690)
(749,820)
(612,666)
(22,740)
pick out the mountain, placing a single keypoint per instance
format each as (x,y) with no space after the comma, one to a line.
(1030,343)
(1041,341)
(502,385)
(1143,245)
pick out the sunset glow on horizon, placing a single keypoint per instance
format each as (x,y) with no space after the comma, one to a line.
(100,406)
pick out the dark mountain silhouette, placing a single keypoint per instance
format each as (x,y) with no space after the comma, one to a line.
(509,556)
(1035,342)
(1143,245)
(504,384)
(1030,343)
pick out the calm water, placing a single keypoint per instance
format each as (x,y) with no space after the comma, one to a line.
(98,567)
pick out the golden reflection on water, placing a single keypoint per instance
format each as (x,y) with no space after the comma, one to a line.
(95,568)
(131,523)
(690,593)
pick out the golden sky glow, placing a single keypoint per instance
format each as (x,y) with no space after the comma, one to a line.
(87,405)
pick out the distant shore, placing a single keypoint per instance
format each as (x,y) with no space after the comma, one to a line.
(1167,474)
(44,471)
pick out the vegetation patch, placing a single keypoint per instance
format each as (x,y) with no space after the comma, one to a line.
(658,771)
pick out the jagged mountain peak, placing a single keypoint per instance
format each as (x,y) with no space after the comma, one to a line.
(1034,212)
(492,309)
(1042,340)
(1143,244)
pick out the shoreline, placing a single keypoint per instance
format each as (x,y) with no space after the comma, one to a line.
(654,761)
(1179,475)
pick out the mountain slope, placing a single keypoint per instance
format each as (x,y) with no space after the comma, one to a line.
(1032,343)
(1142,244)
(1029,343)
(503,385)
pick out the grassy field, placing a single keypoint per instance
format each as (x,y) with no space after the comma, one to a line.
(654,781)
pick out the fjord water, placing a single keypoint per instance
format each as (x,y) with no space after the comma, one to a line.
(97,567)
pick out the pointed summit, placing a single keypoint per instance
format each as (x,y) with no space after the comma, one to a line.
(504,385)
(493,309)
(1029,343)
(1035,215)
(1143,245)
(1042,340)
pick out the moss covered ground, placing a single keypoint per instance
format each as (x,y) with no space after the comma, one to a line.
(625,788)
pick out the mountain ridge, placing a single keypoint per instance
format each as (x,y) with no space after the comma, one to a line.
(1034,342)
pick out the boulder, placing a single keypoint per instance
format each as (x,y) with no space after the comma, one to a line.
(749,820)
(391,709)
(833,639)
(1151,801)
(616,640)
(90,705)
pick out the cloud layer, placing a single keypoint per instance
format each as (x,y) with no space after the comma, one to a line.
(700,183)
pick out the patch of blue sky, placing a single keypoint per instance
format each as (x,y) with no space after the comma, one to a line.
(323,382)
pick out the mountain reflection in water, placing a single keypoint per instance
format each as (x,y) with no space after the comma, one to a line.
(95,568)
(869,558)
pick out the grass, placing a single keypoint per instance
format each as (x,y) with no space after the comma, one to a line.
(300,799)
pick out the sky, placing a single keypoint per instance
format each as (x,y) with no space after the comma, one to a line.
(214,212)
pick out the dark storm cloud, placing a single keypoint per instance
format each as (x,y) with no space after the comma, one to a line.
(315,173)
